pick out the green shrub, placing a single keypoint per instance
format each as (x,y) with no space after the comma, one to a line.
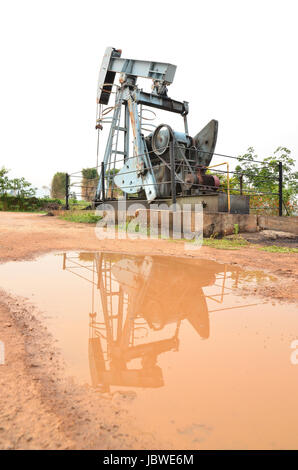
(84,218)
(28,204)
(236,229)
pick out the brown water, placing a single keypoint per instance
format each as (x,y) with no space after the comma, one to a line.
(173,340)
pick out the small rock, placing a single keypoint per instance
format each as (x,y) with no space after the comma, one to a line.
(275,234)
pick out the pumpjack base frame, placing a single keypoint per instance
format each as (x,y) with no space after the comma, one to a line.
(211,202)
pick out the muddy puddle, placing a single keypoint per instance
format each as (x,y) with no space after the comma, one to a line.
(173,340)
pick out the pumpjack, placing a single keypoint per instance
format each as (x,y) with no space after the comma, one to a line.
(159,161)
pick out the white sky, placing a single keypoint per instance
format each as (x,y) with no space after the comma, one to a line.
(236,62)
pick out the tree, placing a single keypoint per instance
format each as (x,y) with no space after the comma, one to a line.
(58,185)
(89,183)
(263,177)
(17,186)
(22,188)
(4,181)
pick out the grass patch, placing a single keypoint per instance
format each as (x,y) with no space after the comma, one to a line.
(226,243)
(278,249)
(78,205)
(81,218)
(218,243)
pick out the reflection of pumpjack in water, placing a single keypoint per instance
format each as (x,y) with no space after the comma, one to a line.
(158,290)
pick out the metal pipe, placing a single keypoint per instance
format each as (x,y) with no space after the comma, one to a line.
(228,187)
(280,187)
(66,191)
(126,133)
(241,184)
(173,179)
(103,181)
(185,124)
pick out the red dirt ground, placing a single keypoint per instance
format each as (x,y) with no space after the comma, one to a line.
(39,407)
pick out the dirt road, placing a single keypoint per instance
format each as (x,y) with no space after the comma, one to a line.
(39,407)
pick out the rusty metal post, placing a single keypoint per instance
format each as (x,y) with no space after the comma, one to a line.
(280,187)
(67,191)
(173,179)
(103,181)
